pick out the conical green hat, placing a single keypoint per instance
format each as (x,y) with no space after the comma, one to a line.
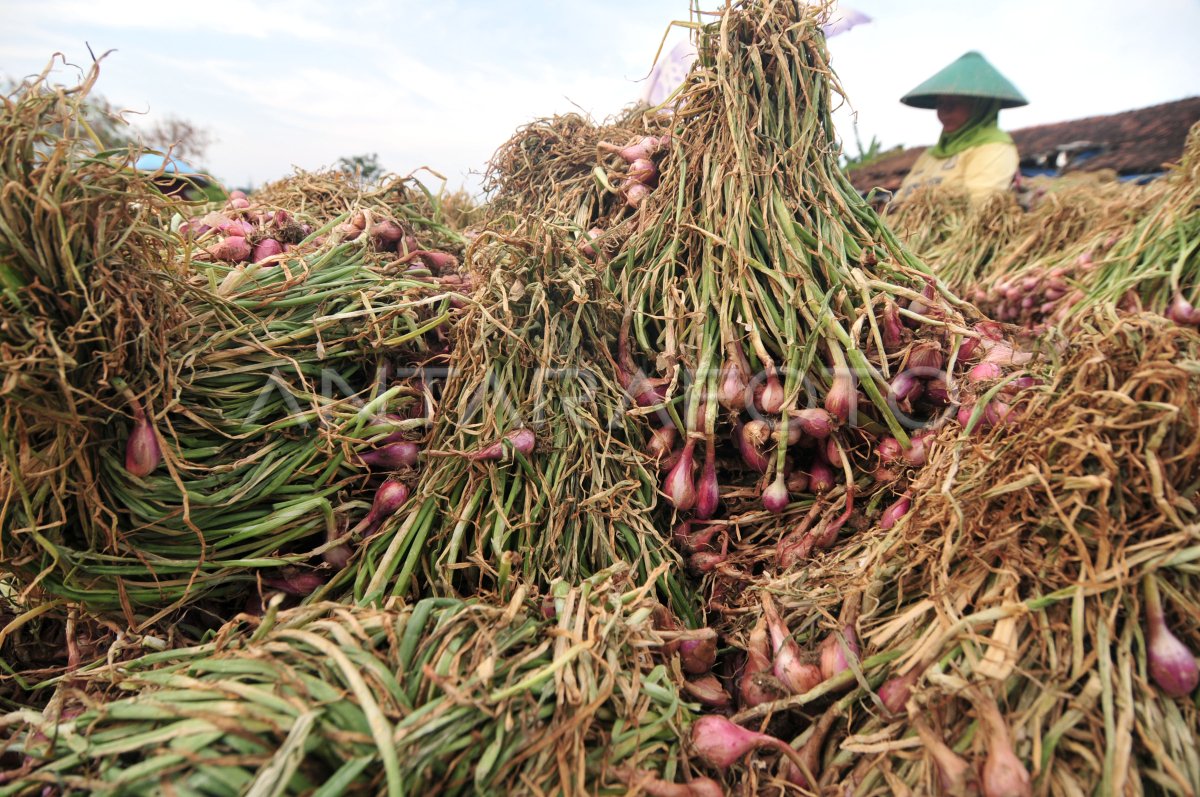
(969,76)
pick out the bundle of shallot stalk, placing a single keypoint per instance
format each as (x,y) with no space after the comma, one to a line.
(780,327)
(1153,266)
(541,484)
(277,447)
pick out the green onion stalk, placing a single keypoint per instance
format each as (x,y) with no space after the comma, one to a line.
(532,471)
(444,695)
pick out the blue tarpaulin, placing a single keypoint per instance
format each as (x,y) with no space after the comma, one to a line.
(152,163)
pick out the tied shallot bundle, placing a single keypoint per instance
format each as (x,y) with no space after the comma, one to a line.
(279,460)
(775,323)
(231,426)
(528,444)
(1155,265)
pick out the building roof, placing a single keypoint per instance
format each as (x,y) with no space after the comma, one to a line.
(1138,142)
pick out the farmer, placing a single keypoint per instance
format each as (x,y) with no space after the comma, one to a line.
(972,155)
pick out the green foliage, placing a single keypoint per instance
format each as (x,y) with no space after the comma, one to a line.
(365,167)
(873,152)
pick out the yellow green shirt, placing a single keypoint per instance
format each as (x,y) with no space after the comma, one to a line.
(979,171)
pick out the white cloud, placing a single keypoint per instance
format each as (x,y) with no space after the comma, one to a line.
(301,19)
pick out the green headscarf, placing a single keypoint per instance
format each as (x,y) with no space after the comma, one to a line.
(981,128)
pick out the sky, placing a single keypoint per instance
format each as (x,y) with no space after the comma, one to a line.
(443,83)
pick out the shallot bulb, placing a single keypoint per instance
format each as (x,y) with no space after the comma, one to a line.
(925,355)
(833,453)
(1003,353)
(984,371)
(698,655)
(647,783)
(967,349)
(1003,773)
(775,498)
(937,391)
(194,228)
(708,691)
(646,147)
(267,247)
(142,452)
(1171,664)
(339,556)
(634,193)
(990,330)
(905,387)
(797,482)
(706,561)
(895,692)
(954,774)
(1181,311)
(521,440)
(749,439)
(756,432)
(443,263)
(391,456)
(386,235)
(889,450)
(840,399)
(296,583)
(662,441)
(719,742)
(756,684)
(237,228)
(731,392)
(708,494)
(770,400)
(643,171)
(794,434)
(814,422)
(833,655)
(233,249)
(680,484)
(390,496)
(690,541)
(820,478)
(586,248)
(798,676)
(892,328)
(893,513)
(917,453)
